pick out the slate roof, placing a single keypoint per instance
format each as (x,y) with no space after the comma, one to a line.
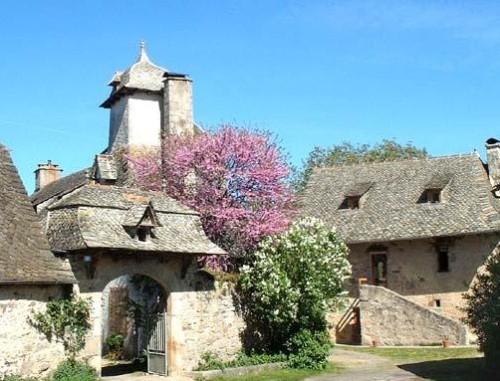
(389,210)
(97,216)
(61,187)
(142,75)
(25,256)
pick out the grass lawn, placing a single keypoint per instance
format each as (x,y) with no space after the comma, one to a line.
(279,374)
(436,364)
(403,354)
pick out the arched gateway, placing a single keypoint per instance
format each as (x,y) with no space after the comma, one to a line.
(112,233)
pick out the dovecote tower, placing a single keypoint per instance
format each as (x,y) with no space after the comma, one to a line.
(146,102)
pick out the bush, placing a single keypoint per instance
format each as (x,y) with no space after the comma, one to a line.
(68,321)
(210,361)
(483,310)
(308,350)
(115,346)
(296,277)
(70,370)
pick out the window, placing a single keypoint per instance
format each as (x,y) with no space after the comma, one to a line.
(144,233)
(443,260)
(431,196)
(355,195)
(350,202)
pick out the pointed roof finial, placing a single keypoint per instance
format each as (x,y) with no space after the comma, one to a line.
(143,55)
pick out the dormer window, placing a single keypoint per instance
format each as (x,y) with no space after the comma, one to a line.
(435,189)
(140,222)
(350,202)
(431,196)
(355,196)
(144,233)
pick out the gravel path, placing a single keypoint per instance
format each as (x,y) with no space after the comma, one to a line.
(364,367)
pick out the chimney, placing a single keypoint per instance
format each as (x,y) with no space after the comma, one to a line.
(493,156)
(45,174)
(178,105)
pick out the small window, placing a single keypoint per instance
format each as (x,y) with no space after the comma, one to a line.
(431,196)
(443,260)
(143,233)
(350,202)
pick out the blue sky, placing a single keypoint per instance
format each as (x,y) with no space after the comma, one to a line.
(315,73)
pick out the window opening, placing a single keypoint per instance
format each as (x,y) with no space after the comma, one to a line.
(443,260)
(431,196)
(143,233)
(350,202)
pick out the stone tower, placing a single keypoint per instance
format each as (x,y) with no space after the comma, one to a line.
(146,102)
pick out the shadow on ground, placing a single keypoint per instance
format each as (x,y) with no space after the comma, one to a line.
(466,369)
(123,368)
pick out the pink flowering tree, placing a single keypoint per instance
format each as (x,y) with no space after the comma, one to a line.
(235,179)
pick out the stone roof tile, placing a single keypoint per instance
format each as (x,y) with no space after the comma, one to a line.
(98,217)
(25,256)
(390,209)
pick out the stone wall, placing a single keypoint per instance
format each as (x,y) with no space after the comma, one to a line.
(212,324)
(412,269)
(391,319)
(200,313)
(23,350)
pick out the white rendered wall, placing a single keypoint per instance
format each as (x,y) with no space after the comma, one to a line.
(144,120)
(135,120)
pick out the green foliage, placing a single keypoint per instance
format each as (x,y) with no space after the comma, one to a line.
(67,321)
(212,361)
(115,346)
(309,350)
(296,277)
(71,370)
(348,154)
(20,378)
(483,310)
(254,358)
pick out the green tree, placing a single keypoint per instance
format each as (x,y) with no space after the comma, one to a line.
(295,279)
(483,310)
(349,154)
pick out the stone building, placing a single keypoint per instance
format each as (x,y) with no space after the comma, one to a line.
(419,228)
(133,252)
(30,275)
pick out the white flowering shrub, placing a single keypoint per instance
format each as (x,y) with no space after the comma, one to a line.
(295,278)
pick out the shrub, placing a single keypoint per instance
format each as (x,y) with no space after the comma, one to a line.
(296,277)
(210,361)
(308,350)
(70,370)
(483,310)
(66,320)
(115,346)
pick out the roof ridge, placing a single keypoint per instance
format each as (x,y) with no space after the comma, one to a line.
(387,162)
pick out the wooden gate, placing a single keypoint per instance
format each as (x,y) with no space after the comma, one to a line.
(156,350)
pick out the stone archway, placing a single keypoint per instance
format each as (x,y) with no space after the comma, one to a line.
(132,307)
